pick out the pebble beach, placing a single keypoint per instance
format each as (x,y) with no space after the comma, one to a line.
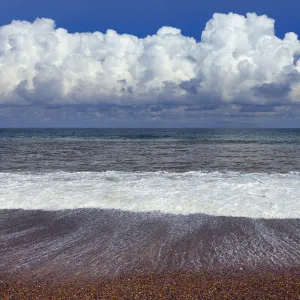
(160,286)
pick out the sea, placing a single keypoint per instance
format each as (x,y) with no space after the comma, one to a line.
(230,172)
(105,201)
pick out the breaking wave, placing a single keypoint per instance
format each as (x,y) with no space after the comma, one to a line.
(256,195)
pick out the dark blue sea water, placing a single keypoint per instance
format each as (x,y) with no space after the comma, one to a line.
(178,150)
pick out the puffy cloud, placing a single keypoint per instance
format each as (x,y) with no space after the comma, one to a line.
(238,61)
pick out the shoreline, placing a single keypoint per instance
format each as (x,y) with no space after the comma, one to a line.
(110,254)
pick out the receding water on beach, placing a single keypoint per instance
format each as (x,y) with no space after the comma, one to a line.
(103,202)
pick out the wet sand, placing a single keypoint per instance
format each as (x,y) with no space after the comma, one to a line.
(111,254)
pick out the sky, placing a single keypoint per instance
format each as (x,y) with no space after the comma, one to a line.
(149,63)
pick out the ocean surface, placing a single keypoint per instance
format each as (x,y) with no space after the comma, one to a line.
(106,202)
(227,172)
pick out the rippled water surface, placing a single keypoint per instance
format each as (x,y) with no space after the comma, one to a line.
(177,150)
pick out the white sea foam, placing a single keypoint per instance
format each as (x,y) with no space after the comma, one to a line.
(229,194)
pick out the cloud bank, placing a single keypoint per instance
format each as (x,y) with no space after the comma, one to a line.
(238,62)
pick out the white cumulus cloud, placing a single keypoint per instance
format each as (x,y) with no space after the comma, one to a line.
(238,61)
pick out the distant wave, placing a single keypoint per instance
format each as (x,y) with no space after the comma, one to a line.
(256,195)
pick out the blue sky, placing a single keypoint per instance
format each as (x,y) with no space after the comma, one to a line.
(179,99)
(141,18)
